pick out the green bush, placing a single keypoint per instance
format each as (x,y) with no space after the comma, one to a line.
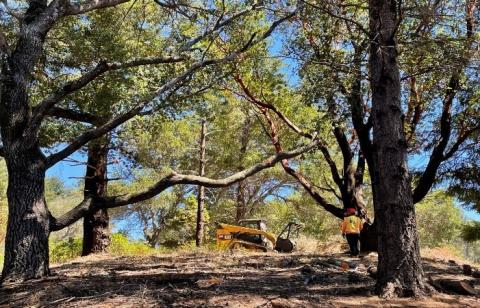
(122,246)
(66,250)
(439,220)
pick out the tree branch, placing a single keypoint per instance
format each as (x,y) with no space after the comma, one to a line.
(290,124)
(263,104)
(74,115)
(346,19)
(344,147)
(112,124)
(42,109)
(168,181)
(91,5)
(218,25)
(438,155)
(71,216)
(460,140)
(307,185)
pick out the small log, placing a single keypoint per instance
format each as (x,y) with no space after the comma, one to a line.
(467,270)
(307,270)
(454,286)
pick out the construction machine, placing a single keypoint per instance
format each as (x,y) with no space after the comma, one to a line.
(252,234)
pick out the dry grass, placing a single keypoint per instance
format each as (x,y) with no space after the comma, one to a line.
(309,245)
(445,253)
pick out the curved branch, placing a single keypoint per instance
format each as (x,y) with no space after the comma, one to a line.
(168,181)
(218,25)
(254,100)
(307,185)
(71,216)
(261,104)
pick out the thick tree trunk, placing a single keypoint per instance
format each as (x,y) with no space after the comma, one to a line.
(26,242)
(399,265)
(96,233)
(199,234)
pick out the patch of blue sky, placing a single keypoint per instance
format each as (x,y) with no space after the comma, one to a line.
(69,172)
(289,67)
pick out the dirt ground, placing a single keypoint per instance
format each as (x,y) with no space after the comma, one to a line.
(238,279)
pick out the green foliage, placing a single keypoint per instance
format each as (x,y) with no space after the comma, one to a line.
(471,231)
(439,220)
(122,246)
(466,183)
(55,188)
(65,250)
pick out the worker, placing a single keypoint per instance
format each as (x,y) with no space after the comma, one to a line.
(351,227)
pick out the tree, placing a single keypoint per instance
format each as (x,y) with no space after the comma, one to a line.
(199,232)
(400,271)
(78,40)
(20,122)
(331,40)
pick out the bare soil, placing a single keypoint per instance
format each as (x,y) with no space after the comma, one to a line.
(238,279)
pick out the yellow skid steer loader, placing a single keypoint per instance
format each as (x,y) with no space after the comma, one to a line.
(251,234)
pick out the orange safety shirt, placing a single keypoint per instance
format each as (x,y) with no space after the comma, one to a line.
(352,225)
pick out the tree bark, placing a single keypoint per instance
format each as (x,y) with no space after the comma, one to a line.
(96,233)
(199,234)
(400,271)
(26,242)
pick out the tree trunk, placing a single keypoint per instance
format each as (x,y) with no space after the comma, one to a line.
(399,265)
(26,242)
(96,234)
(199,234)
(241,209)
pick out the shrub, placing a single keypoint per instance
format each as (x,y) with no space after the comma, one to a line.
(66,250)
(122,246)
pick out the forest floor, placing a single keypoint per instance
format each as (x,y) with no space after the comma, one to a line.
(238,279)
